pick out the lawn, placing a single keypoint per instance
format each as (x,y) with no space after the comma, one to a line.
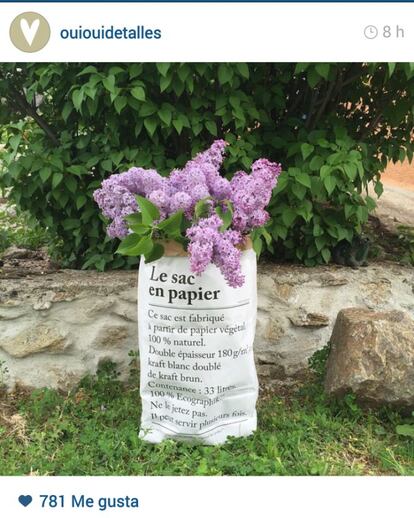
(94,431)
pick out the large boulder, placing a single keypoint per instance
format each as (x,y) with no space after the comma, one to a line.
(372,356)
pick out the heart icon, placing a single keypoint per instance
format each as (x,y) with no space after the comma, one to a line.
(25,500)
(29,31)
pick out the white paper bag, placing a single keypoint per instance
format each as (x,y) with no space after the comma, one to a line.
(198,377)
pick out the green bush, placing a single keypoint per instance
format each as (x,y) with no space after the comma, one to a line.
(333,127)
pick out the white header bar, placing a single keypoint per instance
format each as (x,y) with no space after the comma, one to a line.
(213,32)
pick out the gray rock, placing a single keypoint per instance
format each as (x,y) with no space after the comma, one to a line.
(304,319)
(372,356)
(92,315)
(112,336)
(39,338)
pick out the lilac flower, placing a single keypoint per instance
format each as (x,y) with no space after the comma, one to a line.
(141,181)
(116,202)
(250,194)
(181,201)
(200,179)
(161,199)
(227,258)
(209,245)
(117,228)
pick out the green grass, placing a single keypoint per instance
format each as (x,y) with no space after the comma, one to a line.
(94,431)
(20,230)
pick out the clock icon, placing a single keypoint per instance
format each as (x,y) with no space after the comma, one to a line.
(370,32)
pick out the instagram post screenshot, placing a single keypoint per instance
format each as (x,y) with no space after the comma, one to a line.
(206,259)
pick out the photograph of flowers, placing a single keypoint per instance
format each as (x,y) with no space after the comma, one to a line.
(206,269)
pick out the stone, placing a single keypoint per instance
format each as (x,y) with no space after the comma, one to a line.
(14,252)
(100,306)
(304,319)
(39,338)
(44,302)
(274,330)
(91,315)
(377,293)
(372,356)
(112,336)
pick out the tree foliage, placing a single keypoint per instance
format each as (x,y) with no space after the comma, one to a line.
(334,127)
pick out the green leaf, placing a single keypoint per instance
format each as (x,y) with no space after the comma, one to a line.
(80,201)
(90,69)
(129,242)
(391,68)
(278,231)
(320,242)
(120,103)
(165,115)
(298,190)
(300,68)
(330,184)
(303,179)
(316,163)
(243,69)
(70,224)
(150,125)
(67,110)
(225,74)
(202,208)
(178,125)
(109,83)
(172,225)
(165,83)
(326,254)
(349,210)
(77,98)
(379,188)
(71,183)
(156,253)
(323,69)
(140,229)
(149,211)
(351,170)
(138,93)
(134,245)
(257,245)
(212,127)
(370,202)
(57,178)
(225,216)
(307,150)
(106,165)
(313,77)
(288,216)
(148,109)
(267,237)
(163,68)
(134,219)
(45,173)
(324,171)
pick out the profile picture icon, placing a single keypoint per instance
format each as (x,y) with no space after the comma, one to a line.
(29,32)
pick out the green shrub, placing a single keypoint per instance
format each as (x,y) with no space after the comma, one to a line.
(333,127)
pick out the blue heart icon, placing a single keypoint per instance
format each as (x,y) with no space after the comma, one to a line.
(25,500)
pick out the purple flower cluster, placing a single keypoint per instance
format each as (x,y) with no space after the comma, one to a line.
(209,245)
(116,196)
(200,179)
(250,194)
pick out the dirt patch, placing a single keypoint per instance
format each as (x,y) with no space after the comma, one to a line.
(400,175)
